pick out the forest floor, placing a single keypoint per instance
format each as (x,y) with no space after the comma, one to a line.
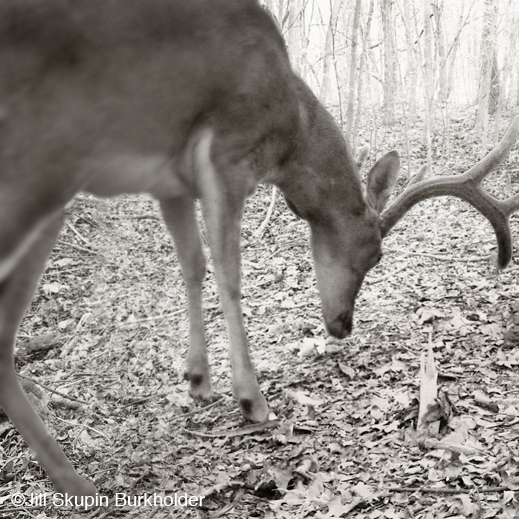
(108,328)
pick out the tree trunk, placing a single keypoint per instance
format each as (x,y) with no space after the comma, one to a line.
(360,83)
(487,54)
(329,53)
(495,85)
(294,34)
(353,71)
(412,80)
(269,6)
(443,93)
(388,25)
(412,70)
(428,82)
(510,60)
(517,79)
(451,61)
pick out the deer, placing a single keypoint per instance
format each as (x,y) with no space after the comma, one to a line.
(185,101)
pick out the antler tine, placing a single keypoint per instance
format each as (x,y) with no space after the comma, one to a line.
(467,187)
(494,158)
(510,205)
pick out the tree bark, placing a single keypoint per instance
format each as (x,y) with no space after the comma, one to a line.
(329,52)
(495,85)
(412,70)
(362,76)
(353,71)
(428,82)
(293,33)
(388,26)
(441,51)
(487,54)
(451,60)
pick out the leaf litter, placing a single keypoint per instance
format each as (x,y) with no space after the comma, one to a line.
(113,303)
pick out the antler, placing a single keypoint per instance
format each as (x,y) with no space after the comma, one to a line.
(467,187)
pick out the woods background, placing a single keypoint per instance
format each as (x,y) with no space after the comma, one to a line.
(411,59)
(107,334)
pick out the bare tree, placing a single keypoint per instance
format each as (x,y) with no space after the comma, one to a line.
(428,80)
(412,73)
(293,30)
(441,51)
(329,50)
(453,51)
(517,85)
(353,70)
(362,66)
(488,51)
(389,86)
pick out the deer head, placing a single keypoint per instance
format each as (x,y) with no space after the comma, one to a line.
(321,184)
(347,226)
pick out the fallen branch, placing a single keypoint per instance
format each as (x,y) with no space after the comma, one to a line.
(433,490)
(50,390)
(77,247)
(243,431)
(77,233)
(428,419)
(440,257)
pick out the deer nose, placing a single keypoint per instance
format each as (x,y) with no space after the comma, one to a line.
(341,326)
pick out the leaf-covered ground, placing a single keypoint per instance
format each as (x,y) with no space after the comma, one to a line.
(108,328)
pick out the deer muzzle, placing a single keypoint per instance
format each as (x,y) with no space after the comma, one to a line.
(341,326)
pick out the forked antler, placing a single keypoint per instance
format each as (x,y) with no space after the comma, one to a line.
(467,187)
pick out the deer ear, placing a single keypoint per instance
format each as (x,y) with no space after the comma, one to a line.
(382,179)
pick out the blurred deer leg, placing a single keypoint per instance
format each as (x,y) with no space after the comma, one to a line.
(180,217)
(16,291)
(222,205)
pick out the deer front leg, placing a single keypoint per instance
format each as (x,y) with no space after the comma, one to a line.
(16,291)
(180,217)
(223,197)
(222,219)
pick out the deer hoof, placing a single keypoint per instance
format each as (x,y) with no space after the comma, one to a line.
(200,387)
(256,410)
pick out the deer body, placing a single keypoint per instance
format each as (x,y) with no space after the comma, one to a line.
(183,100)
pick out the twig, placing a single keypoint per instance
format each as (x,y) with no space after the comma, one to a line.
(77,247)
(50,390)
(248,429)
(149,216)
(77,233)
(85,426)
(144,217)
(431,443)
(261,229)
(225,510)
(153,318)
(441,257)
(144,399)
(163,316)
(431,490)
(20,509)
(203,407)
